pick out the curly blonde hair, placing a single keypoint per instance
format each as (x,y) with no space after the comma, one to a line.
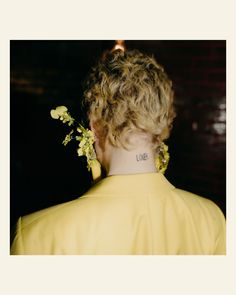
(129,91)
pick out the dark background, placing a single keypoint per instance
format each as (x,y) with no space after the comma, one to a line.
(45,74)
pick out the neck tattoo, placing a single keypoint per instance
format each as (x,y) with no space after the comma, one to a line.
(142,157)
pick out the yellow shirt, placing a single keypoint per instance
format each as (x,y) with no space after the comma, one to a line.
(125,214)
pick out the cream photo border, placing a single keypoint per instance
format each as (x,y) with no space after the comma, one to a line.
(116,274)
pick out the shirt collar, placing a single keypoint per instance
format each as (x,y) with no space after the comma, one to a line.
(131,184)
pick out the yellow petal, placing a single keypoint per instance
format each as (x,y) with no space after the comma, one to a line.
(54,114)
(61,109)
(80,152)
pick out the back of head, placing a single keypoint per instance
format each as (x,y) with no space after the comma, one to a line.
(129,92)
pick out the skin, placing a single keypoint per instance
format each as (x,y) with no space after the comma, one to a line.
(117,160)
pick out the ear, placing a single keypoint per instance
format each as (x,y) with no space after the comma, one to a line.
(99,135)
(93,128)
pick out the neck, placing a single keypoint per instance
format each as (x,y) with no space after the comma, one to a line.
(138,160)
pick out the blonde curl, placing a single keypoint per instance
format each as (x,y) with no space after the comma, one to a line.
(129,91)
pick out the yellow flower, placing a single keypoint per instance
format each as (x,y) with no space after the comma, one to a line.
(82,143)
(58,112)
(68,138)
(80,152)
(162,160)
(62,114)
(85,138)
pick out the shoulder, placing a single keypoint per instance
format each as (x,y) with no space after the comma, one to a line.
(196,202)
(65,215)
(59,213)
(201,210)
(51,230)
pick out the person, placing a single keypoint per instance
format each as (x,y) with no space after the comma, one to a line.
(134,210)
